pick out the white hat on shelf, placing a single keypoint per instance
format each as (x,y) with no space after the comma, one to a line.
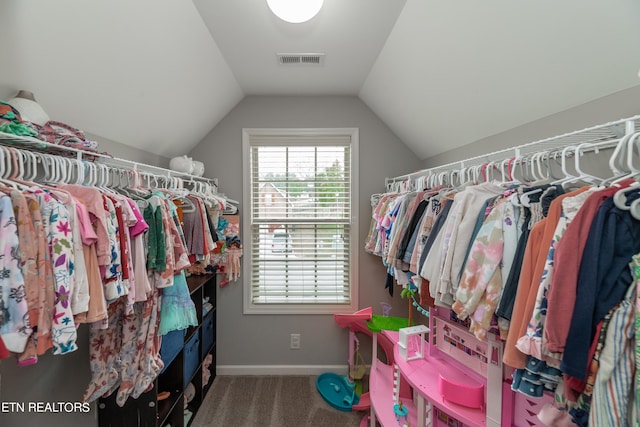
(28,108)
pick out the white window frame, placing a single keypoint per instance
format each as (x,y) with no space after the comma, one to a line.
(248,306)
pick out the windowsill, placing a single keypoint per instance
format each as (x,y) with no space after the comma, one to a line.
(299,309)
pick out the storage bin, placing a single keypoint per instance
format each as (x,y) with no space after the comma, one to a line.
(208,333)
(172,343)
(191,357)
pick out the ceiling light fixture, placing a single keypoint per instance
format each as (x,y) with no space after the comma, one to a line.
(295,11)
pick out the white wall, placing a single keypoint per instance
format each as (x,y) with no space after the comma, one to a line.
(258,340)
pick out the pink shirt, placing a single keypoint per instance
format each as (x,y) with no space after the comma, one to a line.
(92,199)
(89,236)
(140,226)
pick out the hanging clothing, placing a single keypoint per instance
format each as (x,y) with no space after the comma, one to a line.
(482,282)
(14,316)
(613,403)
(178,310)
(55,217)
(531,343)
(568,255)
(604,277)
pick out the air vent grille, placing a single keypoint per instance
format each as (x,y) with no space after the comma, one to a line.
(300,58)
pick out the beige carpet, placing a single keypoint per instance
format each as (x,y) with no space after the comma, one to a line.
(269,401)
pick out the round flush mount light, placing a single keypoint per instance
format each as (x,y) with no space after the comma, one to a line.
(295,11)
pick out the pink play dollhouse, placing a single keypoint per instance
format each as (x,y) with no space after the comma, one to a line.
(459,381)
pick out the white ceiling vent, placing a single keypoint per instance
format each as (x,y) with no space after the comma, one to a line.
(300,58)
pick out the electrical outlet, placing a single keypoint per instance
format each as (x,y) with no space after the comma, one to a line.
(295,342)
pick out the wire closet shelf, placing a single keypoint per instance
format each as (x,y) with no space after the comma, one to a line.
(36,145)
(597,137)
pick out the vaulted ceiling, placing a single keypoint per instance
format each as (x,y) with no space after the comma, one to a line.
(158,75)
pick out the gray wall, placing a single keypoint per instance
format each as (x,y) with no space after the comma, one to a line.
(126,152)
(264,339)
(616,106)
(59,378)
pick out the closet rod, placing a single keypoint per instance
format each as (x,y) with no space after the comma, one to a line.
(169,173)
(596,134)
(39,145)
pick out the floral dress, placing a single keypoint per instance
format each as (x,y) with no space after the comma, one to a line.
(14,317)
(56,221)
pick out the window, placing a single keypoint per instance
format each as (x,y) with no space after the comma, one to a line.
(299,206)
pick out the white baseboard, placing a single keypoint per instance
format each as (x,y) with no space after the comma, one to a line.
(280,369)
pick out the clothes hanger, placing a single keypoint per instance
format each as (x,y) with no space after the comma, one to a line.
(79,172)
(31,166)
(472,175)
(53,169)
(5,170)
(210,194)
(187,204)
(424,183)
(569,178)
(492,171)
(101,172)
(583,176)
(504,178)
(453,174)
(617,160)
(117,173)
(37,160)
(487,170)
(536,167)
(620,197)
(63,167)
(63,170)
(633,142)
(124,182)
(178,188)
(427,181)
(530,170)
(90,175)
(533,180)
(517,161)
(504,169)
(18,177)
(547,174)
(47,167)
(483,171)
(169,187)
(136,189)
(105,183)
(11,168)
(513,164)
(478,175)
(563,164)
(634,209)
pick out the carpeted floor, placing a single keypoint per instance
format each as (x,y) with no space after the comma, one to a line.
(269,401)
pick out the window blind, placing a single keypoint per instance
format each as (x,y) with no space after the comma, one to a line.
(300,219)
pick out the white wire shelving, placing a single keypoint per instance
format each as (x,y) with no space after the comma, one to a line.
(600,136)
